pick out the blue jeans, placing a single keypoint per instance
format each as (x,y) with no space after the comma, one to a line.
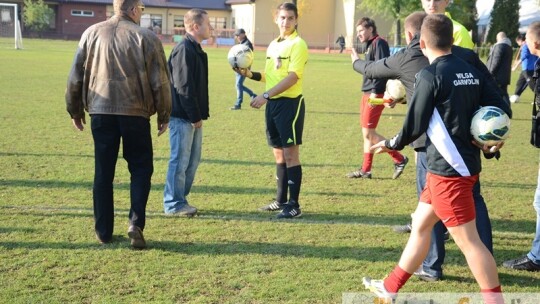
(134,134)
(186,144)
(534,254)
(240,89)
(435,257)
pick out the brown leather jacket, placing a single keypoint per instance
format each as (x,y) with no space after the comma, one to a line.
(119,68)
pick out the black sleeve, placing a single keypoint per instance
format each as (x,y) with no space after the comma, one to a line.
(384,68)
(418,114)
(490,96)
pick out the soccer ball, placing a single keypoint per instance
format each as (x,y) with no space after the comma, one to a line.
(395,89)
(490,125)
(240,56)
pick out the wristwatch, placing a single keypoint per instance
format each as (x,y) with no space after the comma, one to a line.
(266,96)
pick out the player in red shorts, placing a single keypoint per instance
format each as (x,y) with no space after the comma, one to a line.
(376,48)
(447,93)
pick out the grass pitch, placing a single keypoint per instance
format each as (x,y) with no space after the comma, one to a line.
(231,253)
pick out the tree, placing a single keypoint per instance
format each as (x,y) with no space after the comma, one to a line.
(395,9)
(504,18)
(37,15)
(464,12)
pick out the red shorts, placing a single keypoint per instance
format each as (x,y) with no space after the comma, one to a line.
(451,198)
(369,114)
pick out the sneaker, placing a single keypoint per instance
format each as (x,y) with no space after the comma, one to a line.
(377,287)
(403,228)
(273,206)
(359,174)
(424,276)
(446,236)
(291,209)
(186,210)
(398,168)
(136,236)
(523,263)
(514,98)
(235,108)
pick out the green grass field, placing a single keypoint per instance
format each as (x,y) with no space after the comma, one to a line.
(231,253)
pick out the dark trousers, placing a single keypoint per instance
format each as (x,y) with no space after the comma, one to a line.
(437,252)
(524,80)
(134,132)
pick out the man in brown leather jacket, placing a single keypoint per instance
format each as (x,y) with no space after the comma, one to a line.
(120,77)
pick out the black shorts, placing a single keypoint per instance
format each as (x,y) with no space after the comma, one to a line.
(285,121)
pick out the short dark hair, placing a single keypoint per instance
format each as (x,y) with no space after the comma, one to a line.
(194,16)
(367,22)
(414,21)
(520,36)
(288,6)
(437,31)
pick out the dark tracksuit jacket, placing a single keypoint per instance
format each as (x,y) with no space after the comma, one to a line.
(407,62)
(188,64)
(447,93)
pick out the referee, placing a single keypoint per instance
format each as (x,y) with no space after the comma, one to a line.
(286,58)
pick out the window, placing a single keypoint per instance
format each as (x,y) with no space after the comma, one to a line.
(218,22)
(151,21)
(81,13)
(178,21)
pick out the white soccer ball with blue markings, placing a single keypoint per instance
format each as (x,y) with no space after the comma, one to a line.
(490,125)
(240,56)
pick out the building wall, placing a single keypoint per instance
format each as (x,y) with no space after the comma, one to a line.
(244,17)
(69,25)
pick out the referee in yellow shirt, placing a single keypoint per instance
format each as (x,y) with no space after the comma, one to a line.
(286,58)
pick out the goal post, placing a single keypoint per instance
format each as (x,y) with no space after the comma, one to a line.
(10,26)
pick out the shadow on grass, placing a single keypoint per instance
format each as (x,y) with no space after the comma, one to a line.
(159,187)
(337,217)
(278,250)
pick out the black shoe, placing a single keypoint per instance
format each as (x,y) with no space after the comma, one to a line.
(103,240)
(398,168)
(359,174)
(236,108)
(523,263)
(290,210)
(403,228)
(446,236)
(136,236)
(273,206)
(424,276)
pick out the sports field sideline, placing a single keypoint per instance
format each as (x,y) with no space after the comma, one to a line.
(231,253)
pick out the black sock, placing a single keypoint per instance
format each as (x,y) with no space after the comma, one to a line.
(281,180)
(295,180)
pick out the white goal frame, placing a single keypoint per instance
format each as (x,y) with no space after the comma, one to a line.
(17,25)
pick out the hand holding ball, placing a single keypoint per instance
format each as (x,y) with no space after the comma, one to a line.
(240,56)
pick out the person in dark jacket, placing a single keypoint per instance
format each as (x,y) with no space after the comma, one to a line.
(188,64)
(499,62)
(240,34)
(404,65)
(376,48)
(531,261)
(120,77)
(447,94)
(341,42)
